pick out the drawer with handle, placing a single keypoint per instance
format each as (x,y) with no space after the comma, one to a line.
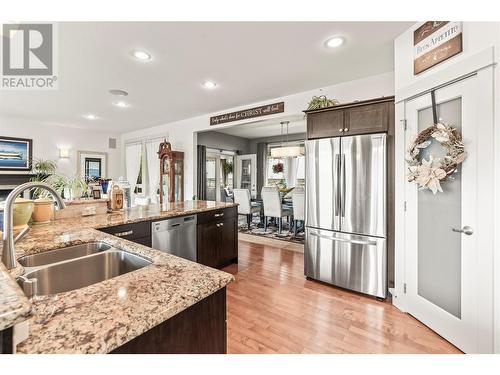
(217,215)
(130,231)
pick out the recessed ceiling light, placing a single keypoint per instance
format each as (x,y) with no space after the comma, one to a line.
(209,84)
(90,116)
(141,55)
(118,92)
(334,42)
(121,104)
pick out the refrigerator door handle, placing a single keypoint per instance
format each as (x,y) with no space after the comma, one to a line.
(357,242)
(337,185)
(342,179)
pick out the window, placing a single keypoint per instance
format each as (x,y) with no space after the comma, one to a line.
(285,172)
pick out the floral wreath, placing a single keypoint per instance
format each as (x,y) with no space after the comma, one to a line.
(428,174)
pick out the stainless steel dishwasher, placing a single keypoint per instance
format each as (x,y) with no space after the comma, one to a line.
(176,236)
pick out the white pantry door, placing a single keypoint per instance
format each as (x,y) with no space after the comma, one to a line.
(448,255)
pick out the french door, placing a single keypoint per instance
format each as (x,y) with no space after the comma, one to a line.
(246,173)
(448,256)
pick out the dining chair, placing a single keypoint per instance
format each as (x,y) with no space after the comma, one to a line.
(298,200)
(273,208)
(245,206)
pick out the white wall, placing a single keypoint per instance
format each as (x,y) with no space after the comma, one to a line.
(477,37)
(181,134)
(48,138)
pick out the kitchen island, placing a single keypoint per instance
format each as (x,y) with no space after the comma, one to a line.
(170,306)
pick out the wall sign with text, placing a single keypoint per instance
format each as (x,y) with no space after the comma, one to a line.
(435,42)
(263,110)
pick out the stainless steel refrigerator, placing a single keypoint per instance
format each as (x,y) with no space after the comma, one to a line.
(346,212)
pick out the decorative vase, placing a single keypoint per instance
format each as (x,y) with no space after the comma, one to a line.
(43,211)
(23,208)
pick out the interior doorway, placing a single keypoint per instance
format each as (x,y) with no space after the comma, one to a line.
(220,175)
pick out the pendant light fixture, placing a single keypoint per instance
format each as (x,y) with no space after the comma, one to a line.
(285,151)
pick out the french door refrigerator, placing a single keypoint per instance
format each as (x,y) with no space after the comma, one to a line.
(346,212)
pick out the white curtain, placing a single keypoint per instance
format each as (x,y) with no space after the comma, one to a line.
(132,165)
(153,164)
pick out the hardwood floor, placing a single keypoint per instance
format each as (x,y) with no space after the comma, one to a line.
(272,308)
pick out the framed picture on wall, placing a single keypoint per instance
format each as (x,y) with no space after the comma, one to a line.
(92,164)
(15,154)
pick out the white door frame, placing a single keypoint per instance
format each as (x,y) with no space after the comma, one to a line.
(483,64)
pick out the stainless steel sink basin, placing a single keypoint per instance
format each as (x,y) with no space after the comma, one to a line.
(60,255)
(79,272)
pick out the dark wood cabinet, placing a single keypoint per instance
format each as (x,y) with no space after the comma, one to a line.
(363,117)
(135,232)
(217,237)
(6,344)
(229,240)
(325,124)
(372,118)
(200,329)
(207,247)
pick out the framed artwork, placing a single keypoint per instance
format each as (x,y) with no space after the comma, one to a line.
(92,164)
(15,154)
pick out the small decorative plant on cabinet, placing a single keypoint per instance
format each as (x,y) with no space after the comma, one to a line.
(171,173)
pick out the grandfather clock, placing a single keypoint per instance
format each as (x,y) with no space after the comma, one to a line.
(171,173)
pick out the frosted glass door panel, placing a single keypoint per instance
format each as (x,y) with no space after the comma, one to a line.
(439,248)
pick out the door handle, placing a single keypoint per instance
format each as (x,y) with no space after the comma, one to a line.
(219,215)
(337,185)
(465,230)
(123,234)
(342,192)
(357,242)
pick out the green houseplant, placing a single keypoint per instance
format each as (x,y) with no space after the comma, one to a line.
(69,187)
(42,170)
(321,101)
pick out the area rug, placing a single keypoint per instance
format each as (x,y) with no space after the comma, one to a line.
(257,229)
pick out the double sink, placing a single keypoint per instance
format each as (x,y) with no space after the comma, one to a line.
(75,267)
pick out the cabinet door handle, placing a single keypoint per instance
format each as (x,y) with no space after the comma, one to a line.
(346,129)
(341,130)
(219,215)
(123,234)
(220,224)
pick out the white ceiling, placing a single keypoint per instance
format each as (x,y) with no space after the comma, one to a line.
(250,62)
(267,128)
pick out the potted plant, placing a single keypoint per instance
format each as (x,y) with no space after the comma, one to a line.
(70,187)
(44,206)
(321,101)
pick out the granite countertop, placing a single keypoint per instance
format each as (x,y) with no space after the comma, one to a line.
(14,306)
(103,316)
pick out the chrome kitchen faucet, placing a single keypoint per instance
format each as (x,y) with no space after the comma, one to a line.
(8,250)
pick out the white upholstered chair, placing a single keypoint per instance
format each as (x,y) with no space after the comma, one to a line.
(245,206)
(298,200)
(271,200)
